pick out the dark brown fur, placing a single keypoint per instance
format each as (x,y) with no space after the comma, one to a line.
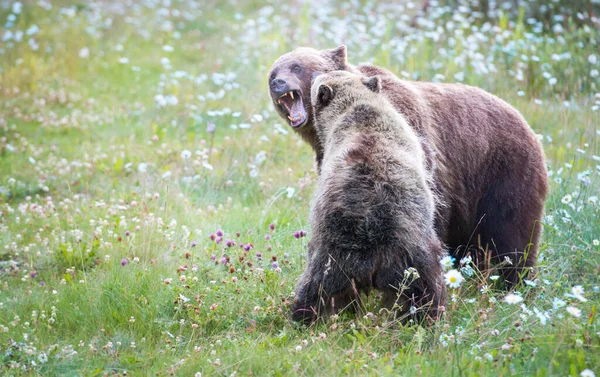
(488,167)
(373,212)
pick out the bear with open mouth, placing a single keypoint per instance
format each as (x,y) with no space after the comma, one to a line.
(488,168)
(372,216)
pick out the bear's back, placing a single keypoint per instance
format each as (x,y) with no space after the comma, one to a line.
(372,190)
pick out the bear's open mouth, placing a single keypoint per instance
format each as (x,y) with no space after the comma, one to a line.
(292,102)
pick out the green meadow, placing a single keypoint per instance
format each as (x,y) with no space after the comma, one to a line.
(152,201)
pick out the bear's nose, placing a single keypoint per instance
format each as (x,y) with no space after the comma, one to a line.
(279,86)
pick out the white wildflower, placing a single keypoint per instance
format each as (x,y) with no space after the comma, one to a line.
(453,278)
(558,303)
(575,312)
(185,154)
(577,292)
(84,53)
(512,298)
(17,7)
(567,199)
(447,262)
(587,373)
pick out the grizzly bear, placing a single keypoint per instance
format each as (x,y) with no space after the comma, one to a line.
(488,169)
(372,216)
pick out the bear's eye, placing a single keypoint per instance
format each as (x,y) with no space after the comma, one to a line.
(296,68)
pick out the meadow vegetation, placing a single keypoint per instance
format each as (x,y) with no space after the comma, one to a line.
(154,207)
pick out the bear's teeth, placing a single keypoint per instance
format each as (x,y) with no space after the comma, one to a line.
(279,101)
(290,118)
(292,95)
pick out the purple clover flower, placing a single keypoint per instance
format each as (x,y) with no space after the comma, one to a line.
(210,127)
(300,233)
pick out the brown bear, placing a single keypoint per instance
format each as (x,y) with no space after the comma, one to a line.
(488,167)
(372,216)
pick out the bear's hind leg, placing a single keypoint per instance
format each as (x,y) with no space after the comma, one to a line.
(510,213)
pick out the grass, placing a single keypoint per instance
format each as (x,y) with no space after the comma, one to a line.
(114,192)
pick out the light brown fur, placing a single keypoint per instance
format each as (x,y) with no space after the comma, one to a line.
(372,216)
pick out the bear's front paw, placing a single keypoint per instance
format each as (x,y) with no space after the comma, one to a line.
(303,314)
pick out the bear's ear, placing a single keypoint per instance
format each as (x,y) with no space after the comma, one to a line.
(339,56)
(373,83)
(324,95)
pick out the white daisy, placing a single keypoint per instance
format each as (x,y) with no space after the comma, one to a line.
(445,339)
(84,53)
(587,373)
(530,283)
(558,303)
(577,292)
(512,298)
(447,262)
(453,278)
(575,312)
(185,154)
(466,260)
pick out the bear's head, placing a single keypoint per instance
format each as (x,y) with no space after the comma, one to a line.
(290,79)
(333,93)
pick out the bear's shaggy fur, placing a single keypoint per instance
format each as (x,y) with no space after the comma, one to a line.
(373,212)
(488,166)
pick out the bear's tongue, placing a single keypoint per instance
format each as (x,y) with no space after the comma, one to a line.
(295,108)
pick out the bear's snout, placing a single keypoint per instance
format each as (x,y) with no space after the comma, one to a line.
(279,86)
